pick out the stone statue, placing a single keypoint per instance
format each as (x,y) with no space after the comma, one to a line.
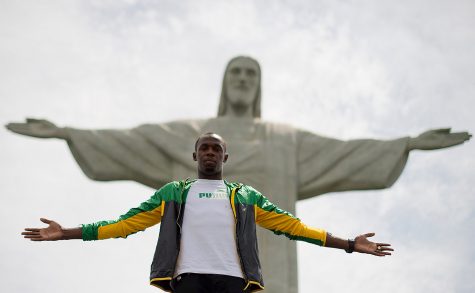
(285,163)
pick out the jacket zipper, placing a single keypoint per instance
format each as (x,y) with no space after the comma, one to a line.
(181,204)
(178,219)
(233,194)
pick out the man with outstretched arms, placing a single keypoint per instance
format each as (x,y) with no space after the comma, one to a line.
(207,239)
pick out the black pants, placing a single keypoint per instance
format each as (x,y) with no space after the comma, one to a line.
(208,283)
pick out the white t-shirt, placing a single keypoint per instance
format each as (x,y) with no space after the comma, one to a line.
(208,239)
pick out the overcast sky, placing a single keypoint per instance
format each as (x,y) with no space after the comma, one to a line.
(344,69)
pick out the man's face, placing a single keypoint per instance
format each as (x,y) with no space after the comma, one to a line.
(242,81)
(210,154)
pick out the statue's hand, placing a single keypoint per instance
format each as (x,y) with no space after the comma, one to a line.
(438,139)
(37,128)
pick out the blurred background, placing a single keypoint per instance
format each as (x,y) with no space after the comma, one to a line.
(344,69)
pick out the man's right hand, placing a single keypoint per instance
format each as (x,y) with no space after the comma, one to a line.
(38,128)
(51,233)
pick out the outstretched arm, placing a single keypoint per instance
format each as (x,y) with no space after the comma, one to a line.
(111,154)
(329,165)
(137,219)
(38,128)
(273,218)
(53,232)
(437,139)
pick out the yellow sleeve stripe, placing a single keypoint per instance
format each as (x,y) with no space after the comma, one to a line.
(162,210)
(138,222)
(233,206)
(281,223)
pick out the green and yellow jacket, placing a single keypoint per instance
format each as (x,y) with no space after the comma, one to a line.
(167,205)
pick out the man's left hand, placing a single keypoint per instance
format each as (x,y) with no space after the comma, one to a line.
(363,245)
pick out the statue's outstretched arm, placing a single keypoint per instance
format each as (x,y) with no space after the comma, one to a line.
(330,165)
(107,154)
(38,128)
(437,139)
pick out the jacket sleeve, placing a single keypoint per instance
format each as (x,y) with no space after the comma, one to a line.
(149,213)
(273,218)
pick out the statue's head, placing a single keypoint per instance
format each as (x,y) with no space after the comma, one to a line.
(241,91)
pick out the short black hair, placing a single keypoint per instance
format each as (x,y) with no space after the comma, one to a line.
(207,134)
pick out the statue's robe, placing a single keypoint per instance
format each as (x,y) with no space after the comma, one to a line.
(284,163)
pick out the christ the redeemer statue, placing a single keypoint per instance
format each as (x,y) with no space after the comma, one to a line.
(285,163)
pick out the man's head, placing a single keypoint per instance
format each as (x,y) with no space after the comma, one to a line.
(210,153)
(241,87)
